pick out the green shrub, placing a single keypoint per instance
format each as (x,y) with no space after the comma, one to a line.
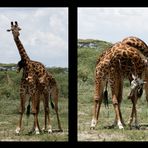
(10,82)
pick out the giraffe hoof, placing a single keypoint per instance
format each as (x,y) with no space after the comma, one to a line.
(121,127)
(37,132)
(92,128)
(17,131)
(49,131)
(44,130)
(60,130)
(137,127)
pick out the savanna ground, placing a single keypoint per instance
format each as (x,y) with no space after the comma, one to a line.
(87,57)
(9,118)
(9,106)
(106,118)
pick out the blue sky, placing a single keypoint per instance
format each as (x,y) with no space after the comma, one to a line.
(44,35)
(112,24)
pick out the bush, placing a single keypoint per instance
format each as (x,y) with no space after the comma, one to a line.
(10,82)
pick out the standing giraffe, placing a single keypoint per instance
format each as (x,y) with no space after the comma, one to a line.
(50,85)
(119,62)
(37,82)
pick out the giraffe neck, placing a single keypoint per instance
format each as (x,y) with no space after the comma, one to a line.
(21,50)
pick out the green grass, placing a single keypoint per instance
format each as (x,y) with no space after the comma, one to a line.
(106,117)
(86,67)
(9,106)
(9,118)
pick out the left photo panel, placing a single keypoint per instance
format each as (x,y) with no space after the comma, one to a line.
(34,74)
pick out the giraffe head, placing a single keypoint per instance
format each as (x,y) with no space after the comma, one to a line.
(136,82)
(136,87)
(15,29)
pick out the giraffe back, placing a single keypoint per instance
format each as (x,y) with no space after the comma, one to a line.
(122,57)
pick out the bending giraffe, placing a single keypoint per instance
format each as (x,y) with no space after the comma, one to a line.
(37,82)
(137,91)
(115,65)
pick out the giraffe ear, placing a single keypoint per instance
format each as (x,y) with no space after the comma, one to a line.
(133,76)
(8,30)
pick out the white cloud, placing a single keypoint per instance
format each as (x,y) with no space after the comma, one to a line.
(112,24)
(44,34)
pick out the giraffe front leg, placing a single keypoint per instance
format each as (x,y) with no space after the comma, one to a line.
(133,114)
(135,110)
(21,110)
(131,118)
(44,129)
(36,124)
(136,120)
(36,128)
(35,109)
(18,128)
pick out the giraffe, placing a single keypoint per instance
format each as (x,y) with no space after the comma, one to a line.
(118,62)
(36,82)
(52,89)
(143,48)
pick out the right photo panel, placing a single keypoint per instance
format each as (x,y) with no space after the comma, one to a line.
(112,74)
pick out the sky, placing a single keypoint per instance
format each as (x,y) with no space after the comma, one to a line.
(112,24)
(44,34)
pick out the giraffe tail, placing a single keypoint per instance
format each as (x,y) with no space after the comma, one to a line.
(52,105)
(105,96)
(28,109)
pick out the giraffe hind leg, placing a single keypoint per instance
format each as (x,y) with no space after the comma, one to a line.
(54,95)
(35,109)
(98,96)
(46,114)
